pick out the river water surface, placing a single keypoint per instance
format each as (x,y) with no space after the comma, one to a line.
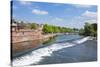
(61,49)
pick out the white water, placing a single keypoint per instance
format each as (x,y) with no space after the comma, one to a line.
(37,55)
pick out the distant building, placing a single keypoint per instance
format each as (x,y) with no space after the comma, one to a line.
(16,25)
(39,27)
(13,25)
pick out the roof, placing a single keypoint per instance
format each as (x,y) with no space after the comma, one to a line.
(13,24)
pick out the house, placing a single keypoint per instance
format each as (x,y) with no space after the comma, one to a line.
(15,26)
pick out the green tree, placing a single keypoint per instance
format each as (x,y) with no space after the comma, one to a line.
(89,30)
(94,29)
(81,31)
(33,26)
(55,29)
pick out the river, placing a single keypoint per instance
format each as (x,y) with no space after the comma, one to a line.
(60,49)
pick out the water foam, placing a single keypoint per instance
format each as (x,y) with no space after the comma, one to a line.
(81,40)
(37,55)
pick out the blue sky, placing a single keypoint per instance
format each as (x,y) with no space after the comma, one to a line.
(67,15)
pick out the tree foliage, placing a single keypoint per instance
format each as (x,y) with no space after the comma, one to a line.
(89,30)
(33,26)
(55,29)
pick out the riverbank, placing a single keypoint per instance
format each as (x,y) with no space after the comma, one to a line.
(27,45)
(27,35)
(24,40)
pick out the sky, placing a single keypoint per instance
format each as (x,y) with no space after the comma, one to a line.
(64,15)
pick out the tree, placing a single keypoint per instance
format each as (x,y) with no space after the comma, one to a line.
(81,31)
(55,29)
(33,26)
(94,29)
(89,30)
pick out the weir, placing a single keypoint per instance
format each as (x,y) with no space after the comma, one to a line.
(37,55)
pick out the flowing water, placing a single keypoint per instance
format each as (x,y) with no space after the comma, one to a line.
(61,49)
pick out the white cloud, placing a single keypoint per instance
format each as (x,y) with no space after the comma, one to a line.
(57,4)
(79,21)
(39,12)
(25,2)
(59,19)
(90,14)
(82,6)
(92,21)
(28,3)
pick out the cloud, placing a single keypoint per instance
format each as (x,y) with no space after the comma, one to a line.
(79,21)
(90,14)
(59,19)
(56,4)
(82,6)
(25,2)
(56,19)
(39,12)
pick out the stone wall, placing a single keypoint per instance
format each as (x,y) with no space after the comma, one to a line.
(25,35)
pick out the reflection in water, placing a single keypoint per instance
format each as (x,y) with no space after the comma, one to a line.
(62,49)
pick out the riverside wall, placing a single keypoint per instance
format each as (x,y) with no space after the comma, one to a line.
(24,40)
(25,35)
